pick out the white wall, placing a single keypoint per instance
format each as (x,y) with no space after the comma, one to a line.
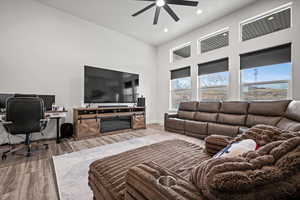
(232,51)
(43,50)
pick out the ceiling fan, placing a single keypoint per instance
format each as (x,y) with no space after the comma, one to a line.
(165,4)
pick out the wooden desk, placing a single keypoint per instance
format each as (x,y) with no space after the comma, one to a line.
(57,115)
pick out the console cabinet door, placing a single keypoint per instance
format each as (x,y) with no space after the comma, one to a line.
(138,122)
(88,127)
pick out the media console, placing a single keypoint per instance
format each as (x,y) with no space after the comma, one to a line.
(89,122)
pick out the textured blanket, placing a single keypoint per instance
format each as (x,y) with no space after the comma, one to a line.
(264,134)
(270,173)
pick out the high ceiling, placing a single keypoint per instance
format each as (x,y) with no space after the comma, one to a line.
(116,15)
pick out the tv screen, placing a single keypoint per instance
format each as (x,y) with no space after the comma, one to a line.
(109,86)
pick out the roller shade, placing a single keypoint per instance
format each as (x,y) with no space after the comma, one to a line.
(181,73)
(213,67)
(276,55)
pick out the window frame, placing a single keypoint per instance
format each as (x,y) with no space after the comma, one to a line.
(220,31)
(170,87)
(199,97)
(290,82)
(180,47)
(263,15)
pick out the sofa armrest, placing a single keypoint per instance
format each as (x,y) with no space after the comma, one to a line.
(215,143)
(142,184)
(171,115)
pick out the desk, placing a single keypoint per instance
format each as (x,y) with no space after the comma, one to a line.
(56,115)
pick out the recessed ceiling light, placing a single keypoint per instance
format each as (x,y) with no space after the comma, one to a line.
(166,30)
(160,3)
(199,12)
(271,18)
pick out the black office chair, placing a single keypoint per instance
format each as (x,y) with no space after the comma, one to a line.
(24,116)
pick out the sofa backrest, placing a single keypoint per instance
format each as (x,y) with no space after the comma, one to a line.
(266,112)
(207,111)
(187,110)
(284,114)
(291,119)
(233,113)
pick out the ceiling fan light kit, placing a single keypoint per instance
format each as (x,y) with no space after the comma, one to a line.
(160,3)
(165,5)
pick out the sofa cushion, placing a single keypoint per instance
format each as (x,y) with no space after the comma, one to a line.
(268,108)
(293,111)
(200,128)
(206,117)
(186,114)
(287,124)
(234,107)
(253,120)
(232,119)
(188,106)
(222,129)
(175,123)
(212,107)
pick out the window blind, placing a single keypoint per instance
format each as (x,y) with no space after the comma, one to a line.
(180,73)
(213,67)
(275,55)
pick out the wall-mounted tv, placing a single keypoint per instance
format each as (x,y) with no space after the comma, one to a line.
(109,86)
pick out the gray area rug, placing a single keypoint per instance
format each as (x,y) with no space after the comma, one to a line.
(72,169)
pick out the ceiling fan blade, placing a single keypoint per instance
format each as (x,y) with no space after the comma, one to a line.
(157,12)
(143,10)
(171,12)
(183,3)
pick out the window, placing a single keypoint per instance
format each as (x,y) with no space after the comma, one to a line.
(181,52)
(270,22)
(181,86)
(214,41)
(266,74)
(213,80)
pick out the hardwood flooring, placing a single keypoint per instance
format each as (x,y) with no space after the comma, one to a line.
(33,178)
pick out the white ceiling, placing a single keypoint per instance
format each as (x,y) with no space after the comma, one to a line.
(116,15)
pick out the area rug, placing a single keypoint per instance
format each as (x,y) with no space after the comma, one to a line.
(72,169)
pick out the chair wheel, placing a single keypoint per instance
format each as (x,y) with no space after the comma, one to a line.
(4,156)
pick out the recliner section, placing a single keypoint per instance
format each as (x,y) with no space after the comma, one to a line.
(291,118)
(201,119)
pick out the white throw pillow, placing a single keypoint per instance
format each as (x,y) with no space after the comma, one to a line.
(237,148)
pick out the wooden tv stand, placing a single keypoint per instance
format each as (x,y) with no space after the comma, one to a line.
(87,121)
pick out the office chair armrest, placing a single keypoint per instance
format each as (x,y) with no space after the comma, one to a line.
(5,123)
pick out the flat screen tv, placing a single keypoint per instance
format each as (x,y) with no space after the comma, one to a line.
(109,86)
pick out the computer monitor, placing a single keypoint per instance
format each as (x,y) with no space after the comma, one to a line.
(49,100)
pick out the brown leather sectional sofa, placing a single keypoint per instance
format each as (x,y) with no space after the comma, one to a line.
(201,119)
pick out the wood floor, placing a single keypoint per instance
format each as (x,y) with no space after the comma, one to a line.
(33,178)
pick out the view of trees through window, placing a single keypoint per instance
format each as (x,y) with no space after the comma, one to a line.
(266,82)
(181,90)
(213,86)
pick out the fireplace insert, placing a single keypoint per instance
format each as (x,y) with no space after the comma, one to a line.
(115,123)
